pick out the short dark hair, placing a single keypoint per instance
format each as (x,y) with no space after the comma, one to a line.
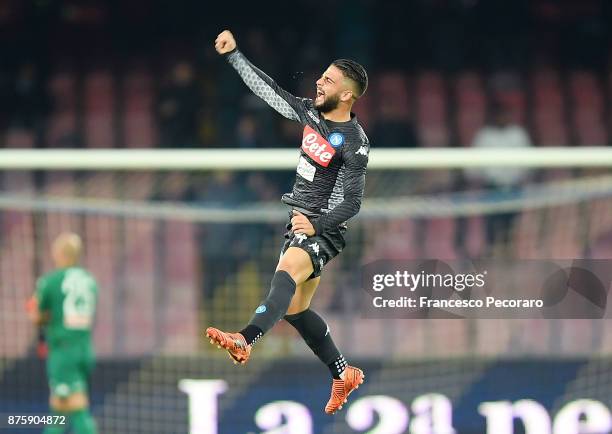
(353,71)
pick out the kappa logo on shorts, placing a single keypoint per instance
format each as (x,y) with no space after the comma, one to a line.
(300,237)
(316,147)
(314,247)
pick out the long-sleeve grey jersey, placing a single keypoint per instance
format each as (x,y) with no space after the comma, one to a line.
(333,158)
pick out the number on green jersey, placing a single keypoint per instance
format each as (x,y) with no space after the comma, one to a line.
(79,300)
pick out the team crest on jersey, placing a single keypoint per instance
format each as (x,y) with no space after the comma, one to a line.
(316,147)
(336,140)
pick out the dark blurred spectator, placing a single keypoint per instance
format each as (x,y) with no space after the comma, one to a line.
(259,190)
(500,132)
(208,128)
(258,124)
(173,187)
(572,32)
(30,100)
(219,241)
(290,134)
(6,90)
(354,32)
(178,108)
(392,130)
(247,132)
(502,32)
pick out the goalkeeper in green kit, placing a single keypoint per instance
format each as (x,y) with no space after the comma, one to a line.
(65,304)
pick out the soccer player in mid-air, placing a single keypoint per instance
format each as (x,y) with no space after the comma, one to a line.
(65,304)
(327,192)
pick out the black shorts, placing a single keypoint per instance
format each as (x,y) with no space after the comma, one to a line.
(321,248)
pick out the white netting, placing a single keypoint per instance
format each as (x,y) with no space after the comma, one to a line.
(175,251)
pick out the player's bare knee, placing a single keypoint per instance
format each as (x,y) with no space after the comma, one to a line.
(289,267)
(296,263)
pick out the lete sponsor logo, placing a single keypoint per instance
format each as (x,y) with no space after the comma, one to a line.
(316,147)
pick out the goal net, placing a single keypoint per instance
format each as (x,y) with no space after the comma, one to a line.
(175,249)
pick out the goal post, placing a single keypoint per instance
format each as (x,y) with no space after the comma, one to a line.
(280,159)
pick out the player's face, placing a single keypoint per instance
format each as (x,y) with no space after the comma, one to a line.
(331,89)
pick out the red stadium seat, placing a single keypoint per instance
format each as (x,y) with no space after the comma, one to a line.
(563,237)
(471,103)
(139,122)
(17,262)
(181,288)
(527,234)
(102,237)
(588,103)
(62,123)
(19,138)
(431,110)
(364,109)
(140,269)
(585,90)
(440,239)
(600,220)
(590,130)
(62,185)
(391,88)
(549,124)
(99,104)
(475,240)
(394,240)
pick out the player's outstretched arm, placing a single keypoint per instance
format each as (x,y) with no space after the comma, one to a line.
(263,86)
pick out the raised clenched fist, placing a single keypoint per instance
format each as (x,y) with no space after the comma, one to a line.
(225,42)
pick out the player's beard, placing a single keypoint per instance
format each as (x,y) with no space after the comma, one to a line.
(330,103)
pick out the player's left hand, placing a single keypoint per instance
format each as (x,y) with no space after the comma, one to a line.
(301,225)
(225,42)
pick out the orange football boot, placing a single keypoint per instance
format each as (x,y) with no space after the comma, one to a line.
(342,388)
(234,343)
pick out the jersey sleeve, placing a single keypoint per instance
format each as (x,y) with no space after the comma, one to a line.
(42,293)
(354,173)
(285,103)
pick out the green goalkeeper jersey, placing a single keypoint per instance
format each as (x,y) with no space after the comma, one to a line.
(69,295)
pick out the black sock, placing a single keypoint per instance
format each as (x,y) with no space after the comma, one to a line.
(338,366)
(251,334)
(315,333)
(272,309)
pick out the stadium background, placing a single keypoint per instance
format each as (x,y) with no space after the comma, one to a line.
(139,74)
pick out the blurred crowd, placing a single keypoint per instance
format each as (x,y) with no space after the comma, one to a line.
(93,73)
(197,101)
